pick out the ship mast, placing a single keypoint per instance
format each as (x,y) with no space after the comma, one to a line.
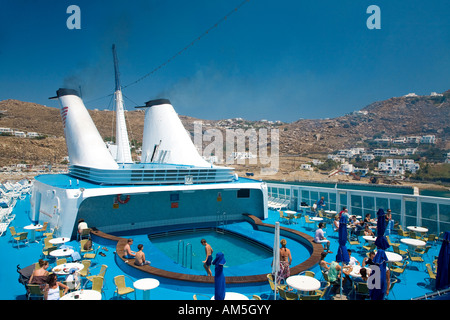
(122,142)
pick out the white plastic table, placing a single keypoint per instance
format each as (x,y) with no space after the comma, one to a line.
(63,269)
(370,238)
(290,213)
(32,229)
(417,229)
(234,296)
(356,269)
(304,208)
(58,241)
(61,252)
(413,242)
(146,284)
(393,257)
(83,295)
(303,283)
(316,219)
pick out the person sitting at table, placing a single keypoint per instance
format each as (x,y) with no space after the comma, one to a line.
(51,291)
(368,219)
(335,273)
(72,280)
(363,278)
(353,261)
(367,261)
(324,266)
(320,238)
(357,229)
(39,276)
(82,225)
(336,223)
(128,253)
(368,232)
(140,257)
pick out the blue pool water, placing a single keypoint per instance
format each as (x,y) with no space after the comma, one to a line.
(237,250)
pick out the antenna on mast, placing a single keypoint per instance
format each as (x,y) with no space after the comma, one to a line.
(116,68)
(123,145)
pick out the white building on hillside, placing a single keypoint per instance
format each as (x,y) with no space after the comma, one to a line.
(367,157)
(20,134)
(398,166)
(430,139)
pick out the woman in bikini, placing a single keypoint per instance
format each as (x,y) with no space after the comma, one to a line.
(285,261)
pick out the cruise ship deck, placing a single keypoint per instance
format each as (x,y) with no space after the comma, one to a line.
(413,281)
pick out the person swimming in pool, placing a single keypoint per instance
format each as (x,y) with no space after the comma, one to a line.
(208,261)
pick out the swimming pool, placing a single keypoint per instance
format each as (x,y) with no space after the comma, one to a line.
(184,247)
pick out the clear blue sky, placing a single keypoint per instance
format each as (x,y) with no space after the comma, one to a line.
(276,60)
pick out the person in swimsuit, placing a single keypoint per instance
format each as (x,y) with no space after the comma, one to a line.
(51,291)
(208,260)
(128,253)
(140,257)
(285,262)
(39,276)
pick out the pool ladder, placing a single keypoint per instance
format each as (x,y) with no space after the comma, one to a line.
(184,254)
(221,222)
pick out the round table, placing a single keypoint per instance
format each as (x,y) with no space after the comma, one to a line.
(234,296)
(304,208)
(63,269)
(61,252)
(58,241)
(356,269)
(146,284)
(417,229)
(303,283)
(83,295)
(32,229)
(393,257)
(370,238)
(316,219)
(331,212)
(413,242)
(290,213)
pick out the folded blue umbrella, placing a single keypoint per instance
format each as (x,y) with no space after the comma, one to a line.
(381,241)
(379,291)
(342,253)
(442,275)
(219,277)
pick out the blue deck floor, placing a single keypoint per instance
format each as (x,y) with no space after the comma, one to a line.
(414,283)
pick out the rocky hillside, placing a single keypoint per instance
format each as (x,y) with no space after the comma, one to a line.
(418,115)
(421,115)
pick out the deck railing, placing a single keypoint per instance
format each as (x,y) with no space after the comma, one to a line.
(407,209)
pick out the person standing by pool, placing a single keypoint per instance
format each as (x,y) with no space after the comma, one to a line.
(140,257)
(208,260)
(127,252)
(285,261)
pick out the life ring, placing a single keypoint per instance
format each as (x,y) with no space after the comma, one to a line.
(123,201)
